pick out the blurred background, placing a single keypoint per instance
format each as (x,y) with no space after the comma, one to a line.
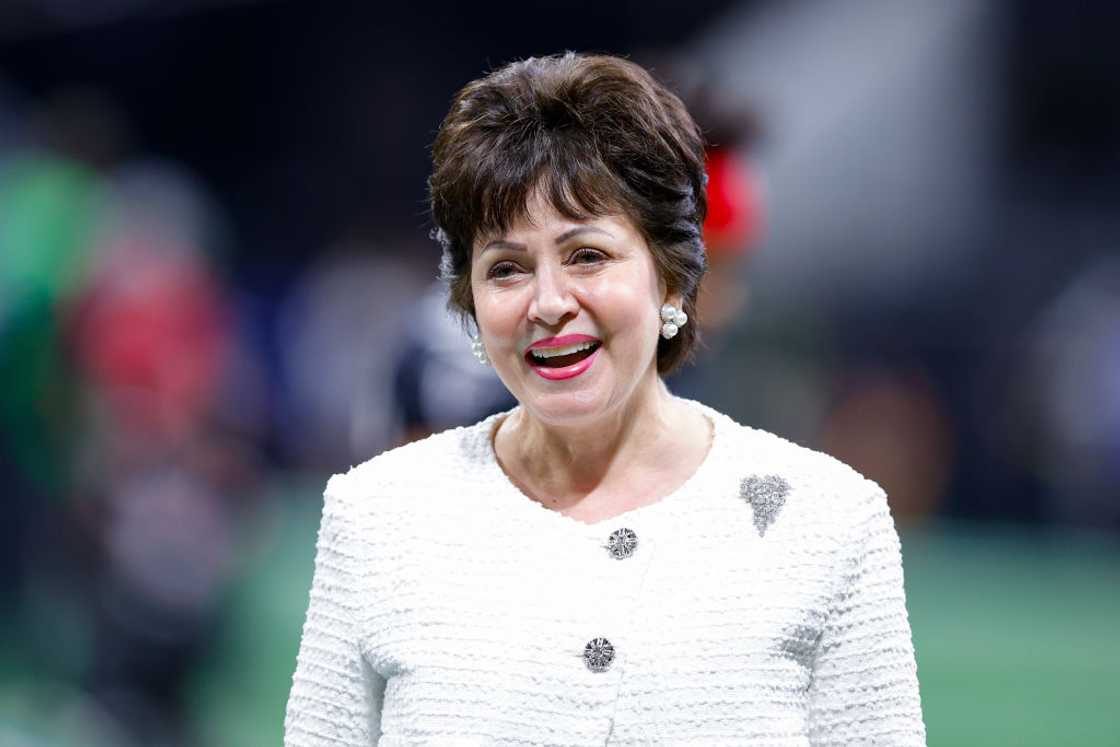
(217,288)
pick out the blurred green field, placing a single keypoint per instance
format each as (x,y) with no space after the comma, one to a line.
(1016,635)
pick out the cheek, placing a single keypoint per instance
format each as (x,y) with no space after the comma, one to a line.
(499,314)
(623,303)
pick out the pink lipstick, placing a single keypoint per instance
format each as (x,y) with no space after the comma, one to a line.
(563,357)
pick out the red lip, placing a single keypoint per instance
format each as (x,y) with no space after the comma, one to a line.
(555,342)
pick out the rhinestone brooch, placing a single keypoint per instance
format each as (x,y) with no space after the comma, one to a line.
(766,494)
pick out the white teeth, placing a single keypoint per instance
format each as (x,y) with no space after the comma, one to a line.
(566,350)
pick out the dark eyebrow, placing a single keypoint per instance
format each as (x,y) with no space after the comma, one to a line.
(503,244)
(581,230)
(570,233)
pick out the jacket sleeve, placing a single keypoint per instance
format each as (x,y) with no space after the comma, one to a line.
(335,697)
(865,681)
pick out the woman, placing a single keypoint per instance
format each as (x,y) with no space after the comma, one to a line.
(605,563)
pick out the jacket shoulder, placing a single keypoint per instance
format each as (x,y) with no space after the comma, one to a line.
(425,467)
(814,476)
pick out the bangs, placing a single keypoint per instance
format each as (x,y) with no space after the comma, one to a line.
(565,175)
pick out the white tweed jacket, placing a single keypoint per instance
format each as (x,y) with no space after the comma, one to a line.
(447,608)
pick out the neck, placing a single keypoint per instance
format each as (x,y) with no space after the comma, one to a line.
(567,462)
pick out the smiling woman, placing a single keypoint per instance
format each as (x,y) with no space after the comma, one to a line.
(548,285)
(583,137)
(605,563)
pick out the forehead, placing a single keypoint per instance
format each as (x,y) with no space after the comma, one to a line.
(542,221)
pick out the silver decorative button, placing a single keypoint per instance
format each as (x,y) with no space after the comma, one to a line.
(622,543)
(598,654)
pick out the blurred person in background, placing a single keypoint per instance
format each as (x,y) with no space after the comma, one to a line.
(497,581)
(437,383)
(126,459)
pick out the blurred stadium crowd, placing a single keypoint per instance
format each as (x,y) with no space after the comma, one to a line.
(920,276)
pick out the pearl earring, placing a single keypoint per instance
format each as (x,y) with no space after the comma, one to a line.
(478,350)
(673,319)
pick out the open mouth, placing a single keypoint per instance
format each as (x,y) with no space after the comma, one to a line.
(563,356)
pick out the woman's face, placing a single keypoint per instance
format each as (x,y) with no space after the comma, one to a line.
(569,313)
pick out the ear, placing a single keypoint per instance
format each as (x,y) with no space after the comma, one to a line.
(675,299)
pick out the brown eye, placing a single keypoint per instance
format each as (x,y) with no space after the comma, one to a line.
(501,270)
(587,255)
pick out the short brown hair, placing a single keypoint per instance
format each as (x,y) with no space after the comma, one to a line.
(596,135)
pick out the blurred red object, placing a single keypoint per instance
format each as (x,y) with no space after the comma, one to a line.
(894,427)
(735,212)
(152,335)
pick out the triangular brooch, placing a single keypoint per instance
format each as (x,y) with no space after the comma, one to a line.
(766,494)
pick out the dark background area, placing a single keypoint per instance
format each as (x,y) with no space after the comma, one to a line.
(312,121)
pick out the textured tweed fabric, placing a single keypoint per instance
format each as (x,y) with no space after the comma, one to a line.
(449,608)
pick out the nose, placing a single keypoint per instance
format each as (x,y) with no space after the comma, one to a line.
(553,302)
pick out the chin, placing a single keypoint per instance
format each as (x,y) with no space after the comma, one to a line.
(567,405)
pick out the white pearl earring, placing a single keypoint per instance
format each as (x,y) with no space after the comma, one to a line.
(478,350)
(673,319)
